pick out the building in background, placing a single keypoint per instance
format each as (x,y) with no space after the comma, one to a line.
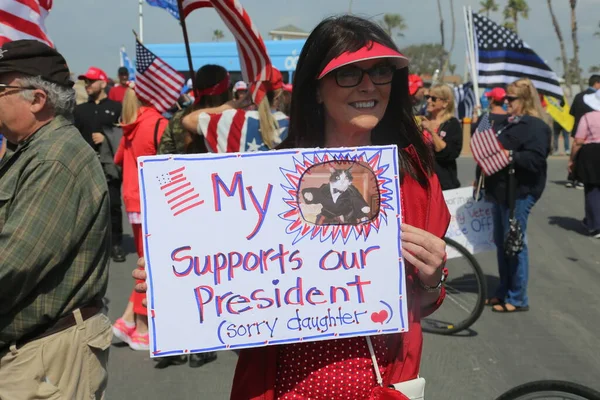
(288,32)
(283,53)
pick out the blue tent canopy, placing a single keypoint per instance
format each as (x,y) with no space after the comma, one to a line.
(284,54)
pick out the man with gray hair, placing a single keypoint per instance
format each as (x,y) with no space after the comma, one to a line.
(54,235)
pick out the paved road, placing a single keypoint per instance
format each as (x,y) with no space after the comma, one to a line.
(557,339)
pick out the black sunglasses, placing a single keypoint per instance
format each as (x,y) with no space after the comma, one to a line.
(510,99)
(4,86)
(433,98)
(351,75)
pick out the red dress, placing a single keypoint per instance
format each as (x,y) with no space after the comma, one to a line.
(342,368)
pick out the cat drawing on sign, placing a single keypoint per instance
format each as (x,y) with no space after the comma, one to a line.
(341,201)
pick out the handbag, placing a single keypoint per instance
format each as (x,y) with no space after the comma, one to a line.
(413,389)
(514,241)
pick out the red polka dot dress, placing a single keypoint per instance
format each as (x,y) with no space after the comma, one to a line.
(328,370)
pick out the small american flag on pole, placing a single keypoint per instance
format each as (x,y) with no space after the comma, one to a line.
(179,192)
(156,81)
(487,151)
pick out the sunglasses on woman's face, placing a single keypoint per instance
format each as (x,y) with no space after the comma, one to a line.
(432,98)
(510,99)
(351,75)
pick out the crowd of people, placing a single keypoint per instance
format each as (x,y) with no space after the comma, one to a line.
(69,169)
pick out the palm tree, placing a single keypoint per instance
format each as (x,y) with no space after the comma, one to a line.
(597,33)
(393,21)
(217,35)
(573,4)
(513,10)
(561,43)
(488,6)
(447,60)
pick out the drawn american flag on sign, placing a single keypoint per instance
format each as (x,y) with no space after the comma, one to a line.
(179,192)
(487,151)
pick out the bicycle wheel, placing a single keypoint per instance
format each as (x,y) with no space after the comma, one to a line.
(550,390)
(465,293)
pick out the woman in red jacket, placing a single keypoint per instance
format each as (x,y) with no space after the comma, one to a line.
(351,89)
(143,127)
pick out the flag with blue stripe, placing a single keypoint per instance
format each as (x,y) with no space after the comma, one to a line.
(169,5)
(503,57)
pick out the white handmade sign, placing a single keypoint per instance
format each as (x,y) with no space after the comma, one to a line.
(256,249)
(471,223)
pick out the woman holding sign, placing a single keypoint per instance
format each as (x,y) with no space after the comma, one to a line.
(351,89)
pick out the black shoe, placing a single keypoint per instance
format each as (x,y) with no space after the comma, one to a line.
(117,254)
(164,362)
(198,360)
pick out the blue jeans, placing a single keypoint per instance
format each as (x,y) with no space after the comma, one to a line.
(566,139)
(513,271)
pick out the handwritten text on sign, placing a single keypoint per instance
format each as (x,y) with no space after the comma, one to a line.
(471,223)
(255,249)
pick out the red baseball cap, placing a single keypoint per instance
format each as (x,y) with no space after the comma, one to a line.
(276,81)
(371,51)
(497,94)
(94,74)
(414,83)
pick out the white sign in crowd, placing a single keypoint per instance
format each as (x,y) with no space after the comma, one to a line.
(256,249)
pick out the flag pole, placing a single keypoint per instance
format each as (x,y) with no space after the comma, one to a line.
(187,45)
(141,14)
(473,55)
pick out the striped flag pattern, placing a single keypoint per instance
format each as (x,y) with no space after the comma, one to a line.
(156,82)
(464,96)
(237,131)
(254,59)
(24,19)
(178,191)
(502,58)
(487,151)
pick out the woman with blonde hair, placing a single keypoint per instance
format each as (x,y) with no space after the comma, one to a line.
(445,133)
(143,127)
(526,140)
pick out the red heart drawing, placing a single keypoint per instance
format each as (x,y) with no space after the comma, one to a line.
(379,317)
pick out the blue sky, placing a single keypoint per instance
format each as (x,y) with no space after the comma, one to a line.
(90,32)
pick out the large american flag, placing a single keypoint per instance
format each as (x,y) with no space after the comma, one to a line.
(464,96)
(24,19)
(156,82)
(254,59)
(487,150)
(502,58)
(237,131)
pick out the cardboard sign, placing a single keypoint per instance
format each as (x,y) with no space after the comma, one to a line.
(256,249)
(471,223)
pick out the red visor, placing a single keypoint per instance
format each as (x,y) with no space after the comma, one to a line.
(371,51)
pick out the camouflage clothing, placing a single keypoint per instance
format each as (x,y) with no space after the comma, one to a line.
(173,139)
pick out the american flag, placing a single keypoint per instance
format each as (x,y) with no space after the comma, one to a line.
(178,191)
(254,59)
(24,19)
(237,131)
(502,58)
(487,151)
(464,96)
(156,82)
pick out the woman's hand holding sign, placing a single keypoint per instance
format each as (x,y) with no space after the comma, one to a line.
(140,274)
(427,253)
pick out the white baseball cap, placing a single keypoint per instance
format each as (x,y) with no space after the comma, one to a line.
(240,85)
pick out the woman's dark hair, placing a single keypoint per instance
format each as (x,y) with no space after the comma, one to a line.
(207,76)
(331,38)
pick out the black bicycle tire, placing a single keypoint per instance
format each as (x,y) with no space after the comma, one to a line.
(480,302)
(550,386)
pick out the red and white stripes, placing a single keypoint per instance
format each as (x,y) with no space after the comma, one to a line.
(24,19)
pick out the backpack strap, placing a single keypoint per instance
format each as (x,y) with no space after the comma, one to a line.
(156,134)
